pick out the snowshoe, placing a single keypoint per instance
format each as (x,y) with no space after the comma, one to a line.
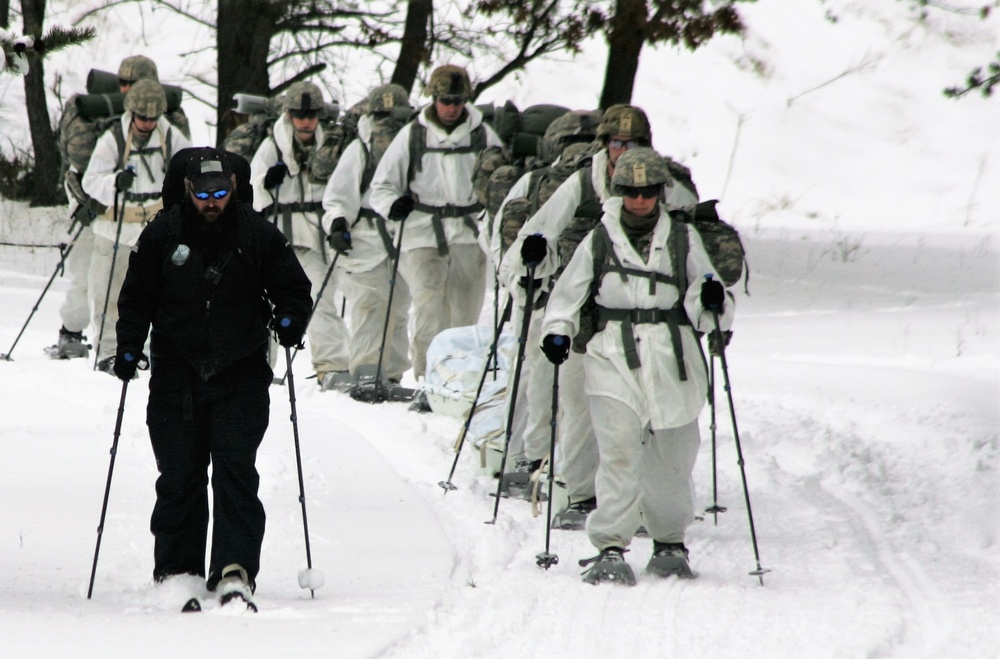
(670,559)
(107,365)
(518,481)
(610,566)
(575,516)
(70,345)
(335,381)
(367,387)
(420,403)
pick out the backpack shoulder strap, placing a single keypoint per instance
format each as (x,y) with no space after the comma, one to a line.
(477,140)
(116,130)
(369,171)
(587,192)
(418,144)
(681,247)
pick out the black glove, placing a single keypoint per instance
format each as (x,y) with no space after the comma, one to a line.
(713,295)
(127,361)
(275,176)
(340,236)
(401,208)
(83,214)
(533,249)
(556,348)
(289,330)
(124,180)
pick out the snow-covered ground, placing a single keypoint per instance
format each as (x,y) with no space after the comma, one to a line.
(865,371)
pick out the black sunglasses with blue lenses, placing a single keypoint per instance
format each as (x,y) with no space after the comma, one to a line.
(626,144)
(646,191)
(218,194)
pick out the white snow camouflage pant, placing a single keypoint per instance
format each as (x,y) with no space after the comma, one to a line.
(448,291)
(367,295)
(328,336)
(644,477)
(75,309)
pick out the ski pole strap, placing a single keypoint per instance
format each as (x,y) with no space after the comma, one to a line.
(673,318)
(439,213)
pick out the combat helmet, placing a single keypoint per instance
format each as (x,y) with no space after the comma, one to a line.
(138,67)
(146,98)
(386,98)
(449,80)
(574,126)
(304,96)
(625,120)
(639,168)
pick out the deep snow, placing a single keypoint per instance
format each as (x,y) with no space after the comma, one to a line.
(865,371)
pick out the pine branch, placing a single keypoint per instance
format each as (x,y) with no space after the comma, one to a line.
(17,50)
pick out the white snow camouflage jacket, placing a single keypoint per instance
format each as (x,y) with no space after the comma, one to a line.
(306,229)
(99,179)
(444,179)
(343,198)
(654,390)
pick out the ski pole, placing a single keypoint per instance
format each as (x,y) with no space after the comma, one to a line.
(119,217)
(522,340)
(319,296)
(308,578)
(107,487)
(447,484)
(381,394)
(496,313)
(547,559)
(715,508)
(64,251)
(759,572)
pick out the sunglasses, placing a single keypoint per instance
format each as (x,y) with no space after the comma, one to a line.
(646,191)
(626,144)
(218,194)
(451,100)
(139,117)
(122,82)
(304,114)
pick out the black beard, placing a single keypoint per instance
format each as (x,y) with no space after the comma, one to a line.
(216,225)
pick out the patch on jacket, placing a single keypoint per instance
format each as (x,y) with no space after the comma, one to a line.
(180,255)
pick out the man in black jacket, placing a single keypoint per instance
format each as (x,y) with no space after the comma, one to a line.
(202,274)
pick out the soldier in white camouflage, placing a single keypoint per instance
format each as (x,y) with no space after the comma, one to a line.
(426,179)
(650,285)
(77,140)
(286,192)
(127,166)
(365,244)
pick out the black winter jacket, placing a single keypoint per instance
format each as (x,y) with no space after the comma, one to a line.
(204,287)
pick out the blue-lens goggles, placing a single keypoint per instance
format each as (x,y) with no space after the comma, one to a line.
(218,194)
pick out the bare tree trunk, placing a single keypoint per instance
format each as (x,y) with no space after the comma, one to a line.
(5,14)
(244,32)
(626,36)
(414,48)
(47,189)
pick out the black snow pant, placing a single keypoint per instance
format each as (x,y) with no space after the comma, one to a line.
(194,423)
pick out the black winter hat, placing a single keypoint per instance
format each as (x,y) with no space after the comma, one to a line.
(209,170)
